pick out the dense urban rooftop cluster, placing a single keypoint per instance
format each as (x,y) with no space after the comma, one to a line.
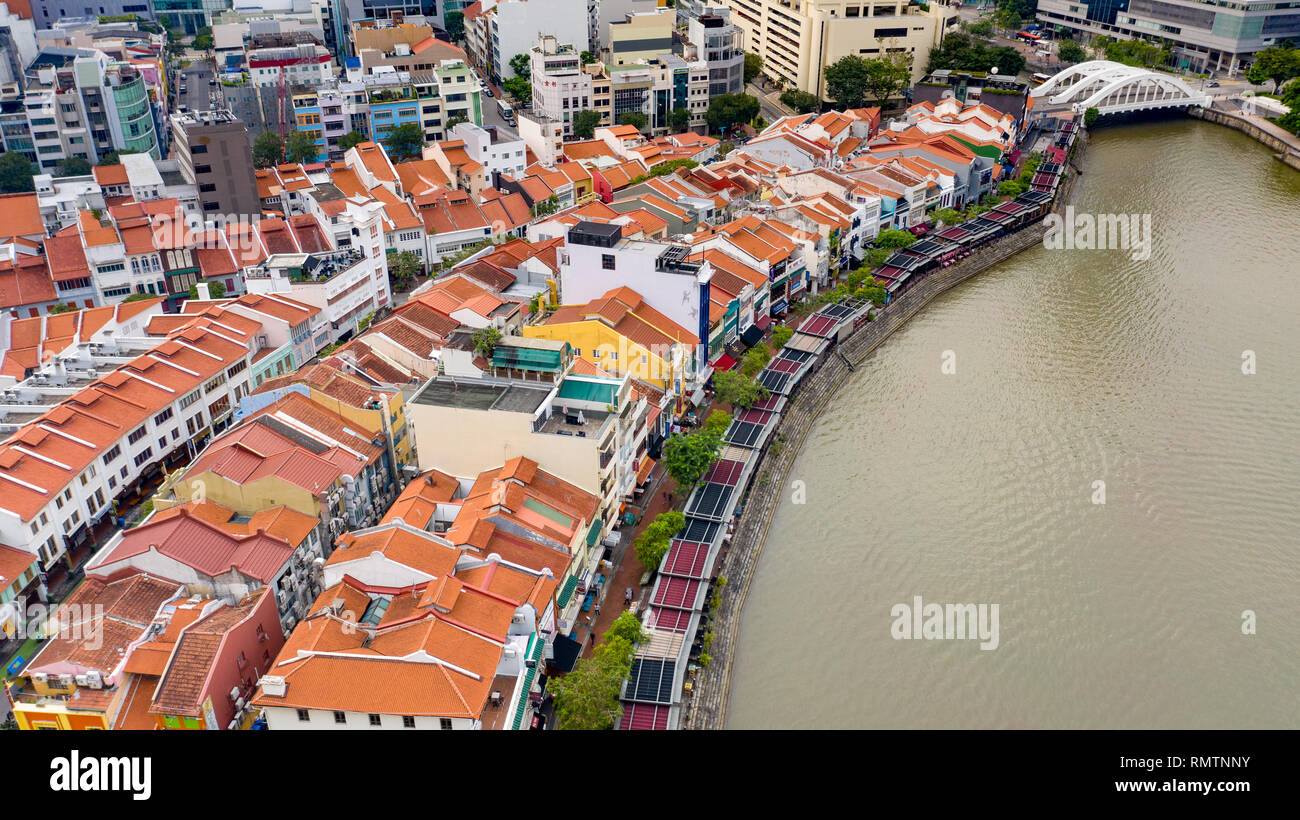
(362,451)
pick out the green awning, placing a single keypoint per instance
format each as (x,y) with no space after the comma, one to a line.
(566,592)
(582,390)
(528,358)
(593,534)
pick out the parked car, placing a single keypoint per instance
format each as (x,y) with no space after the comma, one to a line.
(1211,84)
(488,90)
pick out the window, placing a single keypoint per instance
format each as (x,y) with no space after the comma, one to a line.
(198,149)
(144,456)
(135,435)
(374,720)
(304,715)
(443,724)
(607,261)
(408,722)
(190,399)
(340,717)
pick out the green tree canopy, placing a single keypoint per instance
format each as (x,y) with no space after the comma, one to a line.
(894,239)
(653,542)
(780,335)
(633,118)
(679,119)
(753,65)
(801,101)
(403,268)
(585,123)
(671,166)
(454,21)
(405,141)
(587,58)
(587,697)
(519,88)
(268,149)
(729,110)
(687,457)
(520,65)
(1276,63)
(300,147)
(854,80)
(216,290)
(351,139)
(73,167)
(1071,52)
(485,340)
(16,172)
(738,390)
(961,52)
(755,359)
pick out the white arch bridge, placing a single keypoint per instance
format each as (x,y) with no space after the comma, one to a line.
(1115,88)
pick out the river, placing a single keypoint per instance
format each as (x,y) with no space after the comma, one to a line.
(1071,367)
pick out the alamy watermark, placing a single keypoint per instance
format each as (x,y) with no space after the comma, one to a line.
(75,622)
(920,621)
(1099,232)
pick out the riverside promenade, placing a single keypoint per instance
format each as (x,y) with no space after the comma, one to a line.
(707,705)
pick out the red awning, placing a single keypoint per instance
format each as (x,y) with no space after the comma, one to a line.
(723,362)
(763,322)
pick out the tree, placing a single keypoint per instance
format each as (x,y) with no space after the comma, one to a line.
(1090,117)
(961,52)
(216,290)
(687,457)
(455,25)
(626,627)
(755,359)
(351,139)
(851,79)
(587,697)
(203,39)
(876,257)
(111,158)
(726,147)
(584,123)
(16,172)
(983,28)
(729,110)
(67,308)
(520,64)
(268,149)
(73,167)
(653,542)
(671,166)
(894,239)
(485,340)
(739,390)
(405,141)
(1276,63)
(403,268)
(753,65)
(679,120)
(587,58)
(889,76)
(633,118)
(300,147)
(780,335)
(1071,52)
(947,216)
(1135,52)
(546,207)
(455,121)
(801,101)
(519,88)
